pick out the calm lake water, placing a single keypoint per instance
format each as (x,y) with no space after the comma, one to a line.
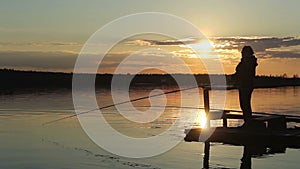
(25,143)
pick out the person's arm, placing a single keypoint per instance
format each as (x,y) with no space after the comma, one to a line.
(233,80)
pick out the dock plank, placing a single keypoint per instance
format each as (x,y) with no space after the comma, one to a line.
(240,136)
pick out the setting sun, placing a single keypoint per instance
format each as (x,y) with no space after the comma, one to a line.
(203,48)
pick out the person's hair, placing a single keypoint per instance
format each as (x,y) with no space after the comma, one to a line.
(247,51)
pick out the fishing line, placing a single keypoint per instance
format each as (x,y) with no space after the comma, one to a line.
(120,103)
(156,95)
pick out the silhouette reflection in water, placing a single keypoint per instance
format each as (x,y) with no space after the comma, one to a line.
(249,152)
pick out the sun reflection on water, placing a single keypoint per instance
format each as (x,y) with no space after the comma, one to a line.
(201,119)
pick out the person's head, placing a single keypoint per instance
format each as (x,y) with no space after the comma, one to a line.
(247,51)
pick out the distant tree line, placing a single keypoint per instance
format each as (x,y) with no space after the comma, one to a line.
(15,80)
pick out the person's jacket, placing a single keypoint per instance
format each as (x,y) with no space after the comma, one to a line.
(245,72)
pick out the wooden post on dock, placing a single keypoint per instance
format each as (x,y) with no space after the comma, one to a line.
(206,104)
(207,143)
(224,117)
(206,155)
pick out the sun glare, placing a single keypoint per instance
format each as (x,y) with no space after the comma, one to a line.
(203,48)
(201,119)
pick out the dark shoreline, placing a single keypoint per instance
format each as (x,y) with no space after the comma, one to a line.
(15,81)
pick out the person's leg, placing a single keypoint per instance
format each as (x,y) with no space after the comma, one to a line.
(245,103)
(241,94)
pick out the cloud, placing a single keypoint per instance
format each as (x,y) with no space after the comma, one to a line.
(38,60)
(147,42)
(258,43)
(40,44)
(282,54)
(65,61)
(228,49)
(145,59)
(262,45)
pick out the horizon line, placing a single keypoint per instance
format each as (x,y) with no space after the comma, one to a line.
(41,71)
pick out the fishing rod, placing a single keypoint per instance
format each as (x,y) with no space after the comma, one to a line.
(120,103)
(228,110)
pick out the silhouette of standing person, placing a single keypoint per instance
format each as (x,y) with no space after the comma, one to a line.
(244,76)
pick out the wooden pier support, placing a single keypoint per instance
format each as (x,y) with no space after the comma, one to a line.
(206,143)
(206,104)
(206,155)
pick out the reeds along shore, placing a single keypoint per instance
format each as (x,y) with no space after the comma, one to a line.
(14,80)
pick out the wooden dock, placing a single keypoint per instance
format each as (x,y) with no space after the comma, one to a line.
(265,129)
(288,138)
(267,133)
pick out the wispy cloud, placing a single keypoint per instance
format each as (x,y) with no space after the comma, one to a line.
(259,43)
(147,42)
(265,47)
(38,60)
(40,44)
(62,55)
(65,61)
